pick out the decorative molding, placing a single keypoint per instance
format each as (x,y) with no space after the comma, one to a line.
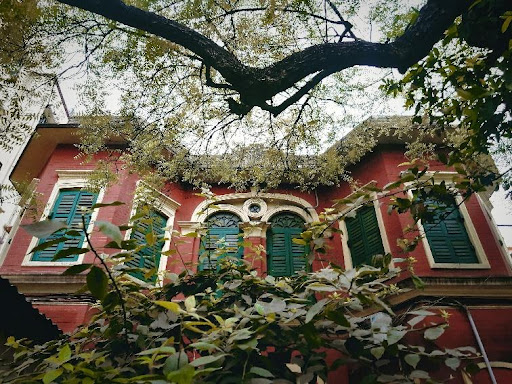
(252,202)
(236,198)
(220,208)
(187,227)
(255,229)
(287,208)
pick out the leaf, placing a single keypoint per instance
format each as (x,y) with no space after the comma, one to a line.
(110,230)
(377,352)
(76,269)
(315,309)
(506,23)
(112,204)
(261,372)
(52,375)
(453,363)
(44,228)
(63,253)
(65,353)
(412,359)
(294,368)
(49,243)
(175,362)
(174,307)
(97,282)
(206,360)
(202,346)
(433,333)
(190,303)
(417,374)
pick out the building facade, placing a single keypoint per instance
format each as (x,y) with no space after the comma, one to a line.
(462,259)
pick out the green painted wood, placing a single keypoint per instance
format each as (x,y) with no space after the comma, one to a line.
(222,239)
(285,257)
(447,236)
(364,238)
(148,258)
(67,208)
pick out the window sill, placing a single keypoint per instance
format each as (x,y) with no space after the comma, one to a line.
(460,266)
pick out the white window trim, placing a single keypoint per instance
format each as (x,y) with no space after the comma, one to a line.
(167,207)
(483,262)
(67,179)
(347,255)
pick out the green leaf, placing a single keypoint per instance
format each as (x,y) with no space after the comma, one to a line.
(169,305)
(315,309)
(202,346)
(52,375)
(63,253)
(175,362)
(433,333)
(76,269)
(261,372)
(453,363)
(184,375)
(65,353)
(377,352)
(206,360)
(44,228)
(97,282)
(412,359)
(112,204)
(49,243)
(110,230)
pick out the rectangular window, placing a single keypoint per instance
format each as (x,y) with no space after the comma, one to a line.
(67,208)
(148,257)
(364,238)
(447,236)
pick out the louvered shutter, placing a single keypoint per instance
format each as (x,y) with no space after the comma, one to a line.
(67,208)
(148,257)
(210,242)
(364,238)
(284,256)
(447,236)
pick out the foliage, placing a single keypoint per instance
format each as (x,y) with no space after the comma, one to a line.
(232,325)
(466,82)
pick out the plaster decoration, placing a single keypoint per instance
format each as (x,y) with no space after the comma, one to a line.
(272,200)
(255,207)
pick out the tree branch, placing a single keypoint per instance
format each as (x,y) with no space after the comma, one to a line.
(257,86)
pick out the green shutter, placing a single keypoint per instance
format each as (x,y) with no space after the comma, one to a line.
(223,228)
(364,238)
(67,208)
(447,236)
(149,256)
(284,256)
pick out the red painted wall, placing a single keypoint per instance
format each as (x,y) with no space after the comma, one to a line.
(381,166)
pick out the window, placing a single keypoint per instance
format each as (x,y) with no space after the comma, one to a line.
(446,234)
(363,236)
(284,256)
(67,208)
(151,225)
(222,232)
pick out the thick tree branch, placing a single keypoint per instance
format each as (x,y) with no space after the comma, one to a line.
(258,85)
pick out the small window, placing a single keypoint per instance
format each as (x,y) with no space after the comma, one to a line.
(285,257)
(364,239)
(446,234)
(222,233)
(67,208)
(148,257)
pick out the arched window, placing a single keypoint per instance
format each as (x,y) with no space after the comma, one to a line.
(222,239)
(284,256)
